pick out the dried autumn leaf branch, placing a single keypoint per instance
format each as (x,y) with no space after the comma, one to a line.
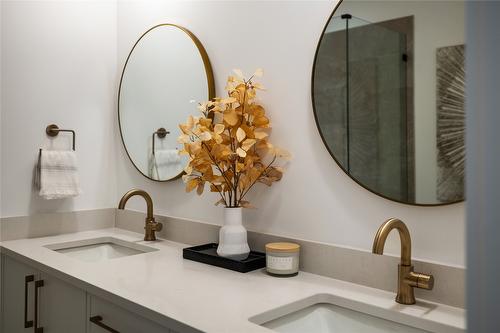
(228,145)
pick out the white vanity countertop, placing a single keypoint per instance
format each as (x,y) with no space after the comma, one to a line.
(207,298)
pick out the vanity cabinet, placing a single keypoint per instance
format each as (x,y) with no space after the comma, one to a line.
(17,296)
(32,299)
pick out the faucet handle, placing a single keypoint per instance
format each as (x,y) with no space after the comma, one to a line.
(420,280)
(151,227)
(157,226)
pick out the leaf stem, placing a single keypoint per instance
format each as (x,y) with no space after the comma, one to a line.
(216,165)
(255,181)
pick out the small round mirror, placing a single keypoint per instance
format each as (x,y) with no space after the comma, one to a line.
(166,70)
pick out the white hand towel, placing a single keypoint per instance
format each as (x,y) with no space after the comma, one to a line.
(58,176)
(165,164)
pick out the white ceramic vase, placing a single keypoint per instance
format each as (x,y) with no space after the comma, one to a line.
(233,236)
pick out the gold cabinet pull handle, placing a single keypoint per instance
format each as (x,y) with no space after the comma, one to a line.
(38,285)
(97,320)
(27,280)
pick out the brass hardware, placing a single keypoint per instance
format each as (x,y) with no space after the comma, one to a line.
(162,133)
(210,83)
(97,320)
(407,278)
(27,280)
(420,280)
(53,130)
(151,226)
(404,234)
(38,285)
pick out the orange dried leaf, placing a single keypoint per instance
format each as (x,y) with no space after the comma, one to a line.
(205,136)
(250,95)
(256,110)
(266,181)
(215,188)
(219,128)
(246,204)
(206,122)
(261,121)
(183,139)
(282,153)
(240,134)
(239,167)
(247,144)
(200,188)
(228,100)
(191,185)
(253,174)
(244,182)
(188,170)
(231,117)
(259,134)
(274,173)
(221,152)
(241,152)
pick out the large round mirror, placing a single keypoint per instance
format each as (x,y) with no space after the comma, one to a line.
(165,71)
(388,97)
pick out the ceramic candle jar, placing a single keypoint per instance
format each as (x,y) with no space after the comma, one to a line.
(282,259)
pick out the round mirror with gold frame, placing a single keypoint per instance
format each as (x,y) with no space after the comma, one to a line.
(165,72)
(388,88)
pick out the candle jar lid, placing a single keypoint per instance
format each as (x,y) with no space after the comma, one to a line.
(283,247)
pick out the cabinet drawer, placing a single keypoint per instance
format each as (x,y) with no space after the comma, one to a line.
(118,319)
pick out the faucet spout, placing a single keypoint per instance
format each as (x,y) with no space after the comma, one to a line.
(404,235)
(142,193)
(151,226)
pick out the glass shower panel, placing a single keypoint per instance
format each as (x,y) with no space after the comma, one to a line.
(376,117)
(330,88)
(360,101)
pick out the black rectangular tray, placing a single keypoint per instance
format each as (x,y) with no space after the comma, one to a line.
(207,254)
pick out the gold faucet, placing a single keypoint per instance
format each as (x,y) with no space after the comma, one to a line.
(407,278)
(151,225)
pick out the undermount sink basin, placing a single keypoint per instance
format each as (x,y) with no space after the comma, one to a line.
(326,313)
(326,318)
(99,249)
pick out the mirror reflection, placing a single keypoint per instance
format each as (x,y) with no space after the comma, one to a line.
(388,97)
(166,69)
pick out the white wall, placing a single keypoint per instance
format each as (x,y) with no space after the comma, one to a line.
(315,200)
(59,66)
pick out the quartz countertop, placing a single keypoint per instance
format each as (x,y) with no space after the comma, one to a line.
(204,297)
